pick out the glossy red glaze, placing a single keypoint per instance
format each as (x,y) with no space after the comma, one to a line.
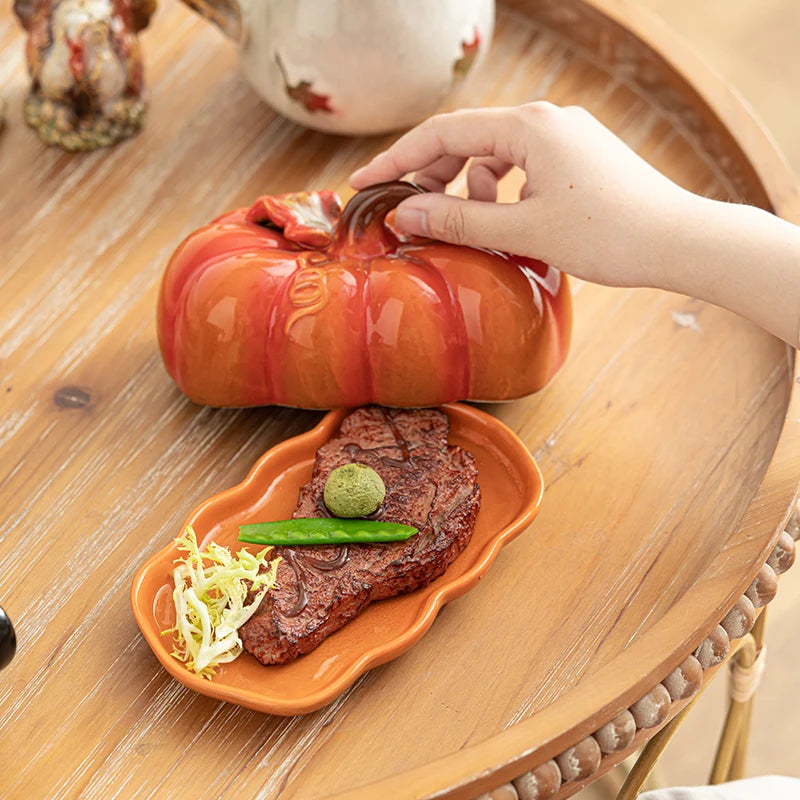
(291,303)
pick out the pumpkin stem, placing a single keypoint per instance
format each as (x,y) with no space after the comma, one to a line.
(365,213)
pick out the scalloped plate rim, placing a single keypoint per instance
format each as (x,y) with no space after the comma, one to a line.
(372,656)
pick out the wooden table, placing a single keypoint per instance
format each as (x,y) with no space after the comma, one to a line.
(668,445)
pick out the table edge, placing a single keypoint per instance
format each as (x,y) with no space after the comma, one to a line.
(509,754)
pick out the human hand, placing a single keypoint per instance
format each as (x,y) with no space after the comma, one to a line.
(590,205)
(593,208)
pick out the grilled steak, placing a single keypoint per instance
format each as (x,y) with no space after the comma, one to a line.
(429,484)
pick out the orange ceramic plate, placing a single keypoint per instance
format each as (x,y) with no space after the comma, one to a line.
(511,489)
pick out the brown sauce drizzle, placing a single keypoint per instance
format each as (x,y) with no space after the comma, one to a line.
(393,462)
(398,437)
(323,509)
(302,594)
(299,562)
(330,564)
(405,455)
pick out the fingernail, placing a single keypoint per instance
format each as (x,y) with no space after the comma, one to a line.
(412,220)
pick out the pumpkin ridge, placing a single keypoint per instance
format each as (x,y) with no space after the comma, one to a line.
(179,321)
(366,312)
(463,381)
(275,341)
(269,318)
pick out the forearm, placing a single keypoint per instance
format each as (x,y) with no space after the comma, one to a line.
(735,256)
(594,208)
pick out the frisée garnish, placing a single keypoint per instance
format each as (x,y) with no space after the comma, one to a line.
(211,589)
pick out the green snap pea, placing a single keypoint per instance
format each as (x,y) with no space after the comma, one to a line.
(324,530)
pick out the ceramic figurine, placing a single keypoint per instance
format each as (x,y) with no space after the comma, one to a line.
(355,66)
(86,68)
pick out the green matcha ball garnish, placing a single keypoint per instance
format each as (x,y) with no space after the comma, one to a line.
(353,490)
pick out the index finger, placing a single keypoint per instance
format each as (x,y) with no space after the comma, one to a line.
(472,132)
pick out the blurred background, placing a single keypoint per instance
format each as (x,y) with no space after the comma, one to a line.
(754,45)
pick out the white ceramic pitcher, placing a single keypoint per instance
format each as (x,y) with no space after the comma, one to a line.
(355,66)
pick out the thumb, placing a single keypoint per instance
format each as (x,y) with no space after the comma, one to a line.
(495,226)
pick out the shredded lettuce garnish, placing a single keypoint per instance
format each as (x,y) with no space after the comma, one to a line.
(211,586)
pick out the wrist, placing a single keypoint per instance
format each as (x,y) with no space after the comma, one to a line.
(684,231)
(735,256)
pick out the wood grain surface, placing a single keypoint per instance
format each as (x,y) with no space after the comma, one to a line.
(753,47)
(654,441)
